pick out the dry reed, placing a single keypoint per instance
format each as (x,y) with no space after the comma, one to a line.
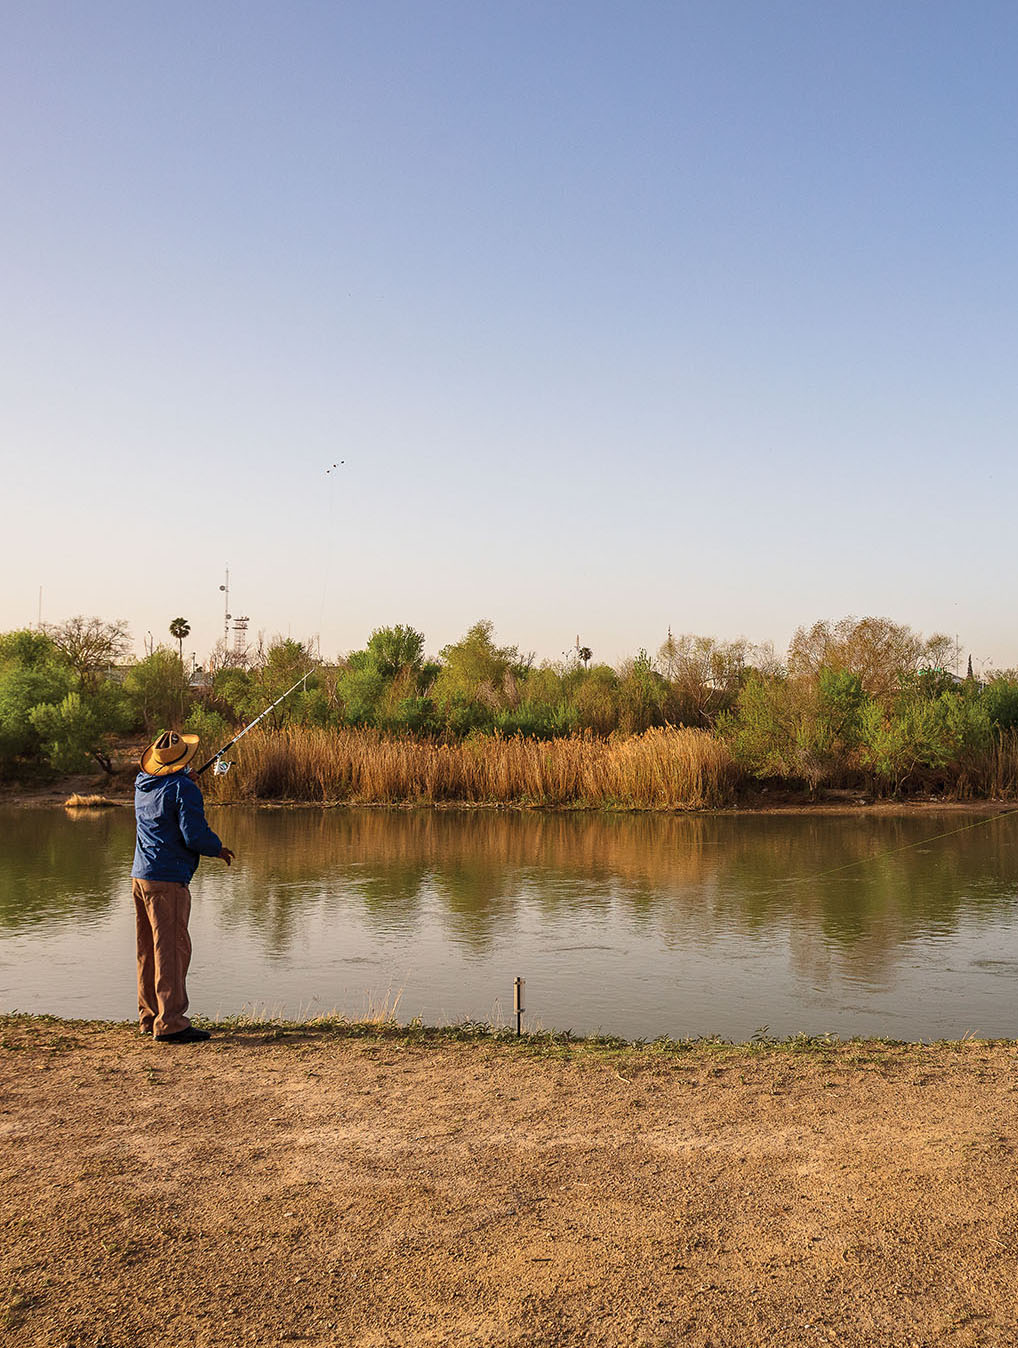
(660,769)
(994,772)
(76,802)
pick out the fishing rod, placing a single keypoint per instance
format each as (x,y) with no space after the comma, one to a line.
(221,765)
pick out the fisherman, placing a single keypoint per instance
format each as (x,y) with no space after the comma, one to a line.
(173,836)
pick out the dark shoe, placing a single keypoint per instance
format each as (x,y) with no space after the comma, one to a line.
(188,1036)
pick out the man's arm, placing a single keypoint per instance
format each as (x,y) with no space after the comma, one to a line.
(194,827)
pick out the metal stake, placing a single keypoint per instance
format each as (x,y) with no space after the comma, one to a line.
(518,985)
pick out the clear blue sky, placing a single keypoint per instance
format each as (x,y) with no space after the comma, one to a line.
(621,315)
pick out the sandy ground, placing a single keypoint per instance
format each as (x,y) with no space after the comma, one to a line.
(322,1189)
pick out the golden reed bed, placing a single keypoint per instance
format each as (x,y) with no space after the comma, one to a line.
(661,769)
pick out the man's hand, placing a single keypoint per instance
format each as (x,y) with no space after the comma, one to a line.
(226,855)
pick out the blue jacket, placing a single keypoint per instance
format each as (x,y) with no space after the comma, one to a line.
(172,833)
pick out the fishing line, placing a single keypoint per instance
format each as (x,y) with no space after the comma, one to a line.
(908,847)
(330,509)
(217,762)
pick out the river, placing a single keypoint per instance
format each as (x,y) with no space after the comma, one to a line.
(635,925)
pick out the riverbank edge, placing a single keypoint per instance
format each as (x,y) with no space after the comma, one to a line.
(543,1043)
(60,797)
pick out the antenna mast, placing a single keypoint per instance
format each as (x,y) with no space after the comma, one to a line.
(226,610)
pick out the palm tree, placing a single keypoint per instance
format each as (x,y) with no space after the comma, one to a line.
(180,628)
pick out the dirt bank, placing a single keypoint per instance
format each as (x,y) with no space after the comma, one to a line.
(327,1189)
(120,792)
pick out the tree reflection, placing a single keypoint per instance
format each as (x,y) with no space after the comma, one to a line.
(837,890)
(58,866)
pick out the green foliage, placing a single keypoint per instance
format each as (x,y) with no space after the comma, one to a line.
(285,662)
(234,690)
(386,684)
(643,698)
(79,729)
(922,684)
(317,708)
(212,729)
(842,700)
(801,729)
(926,735)
(158,690)
(29,650)
(594,700)
(543,686)
(1000,698)
(461,717)
(536,720)
(862,699)
(475,670)
(361,689)
(414,716)
(395,649)
(179,629)
(33,673)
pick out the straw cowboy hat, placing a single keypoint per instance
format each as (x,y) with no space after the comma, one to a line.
(170,753)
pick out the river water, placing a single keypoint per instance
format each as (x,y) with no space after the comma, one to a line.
(637,925)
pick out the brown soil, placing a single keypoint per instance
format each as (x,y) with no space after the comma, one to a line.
(119,790)
(325,1189)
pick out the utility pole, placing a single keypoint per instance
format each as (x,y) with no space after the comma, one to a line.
(226,610)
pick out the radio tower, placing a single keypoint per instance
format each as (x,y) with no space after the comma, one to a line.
(240,639)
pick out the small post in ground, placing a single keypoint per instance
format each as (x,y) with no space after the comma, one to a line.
(518,985)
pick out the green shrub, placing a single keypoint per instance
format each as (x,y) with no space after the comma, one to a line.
(1000,698)
(79,729)
(158,691)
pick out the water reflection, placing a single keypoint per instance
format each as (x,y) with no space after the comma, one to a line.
(783,906)
(843,876)
(58,866)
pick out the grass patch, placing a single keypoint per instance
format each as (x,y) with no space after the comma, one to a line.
(76,802)
(22,1030)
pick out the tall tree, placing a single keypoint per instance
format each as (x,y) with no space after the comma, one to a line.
(705,674)
(475,668)
(393,649)
(882,653)
(180,628)
(89,645)
(157,690)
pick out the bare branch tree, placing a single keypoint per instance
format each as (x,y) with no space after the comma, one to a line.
(90,645)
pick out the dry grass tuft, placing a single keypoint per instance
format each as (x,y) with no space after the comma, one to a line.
(380,1011)
(77,802)
(660,769)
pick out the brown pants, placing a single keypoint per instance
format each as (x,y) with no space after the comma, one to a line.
(161,911)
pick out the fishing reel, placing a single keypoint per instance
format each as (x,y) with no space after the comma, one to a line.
(222,767)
